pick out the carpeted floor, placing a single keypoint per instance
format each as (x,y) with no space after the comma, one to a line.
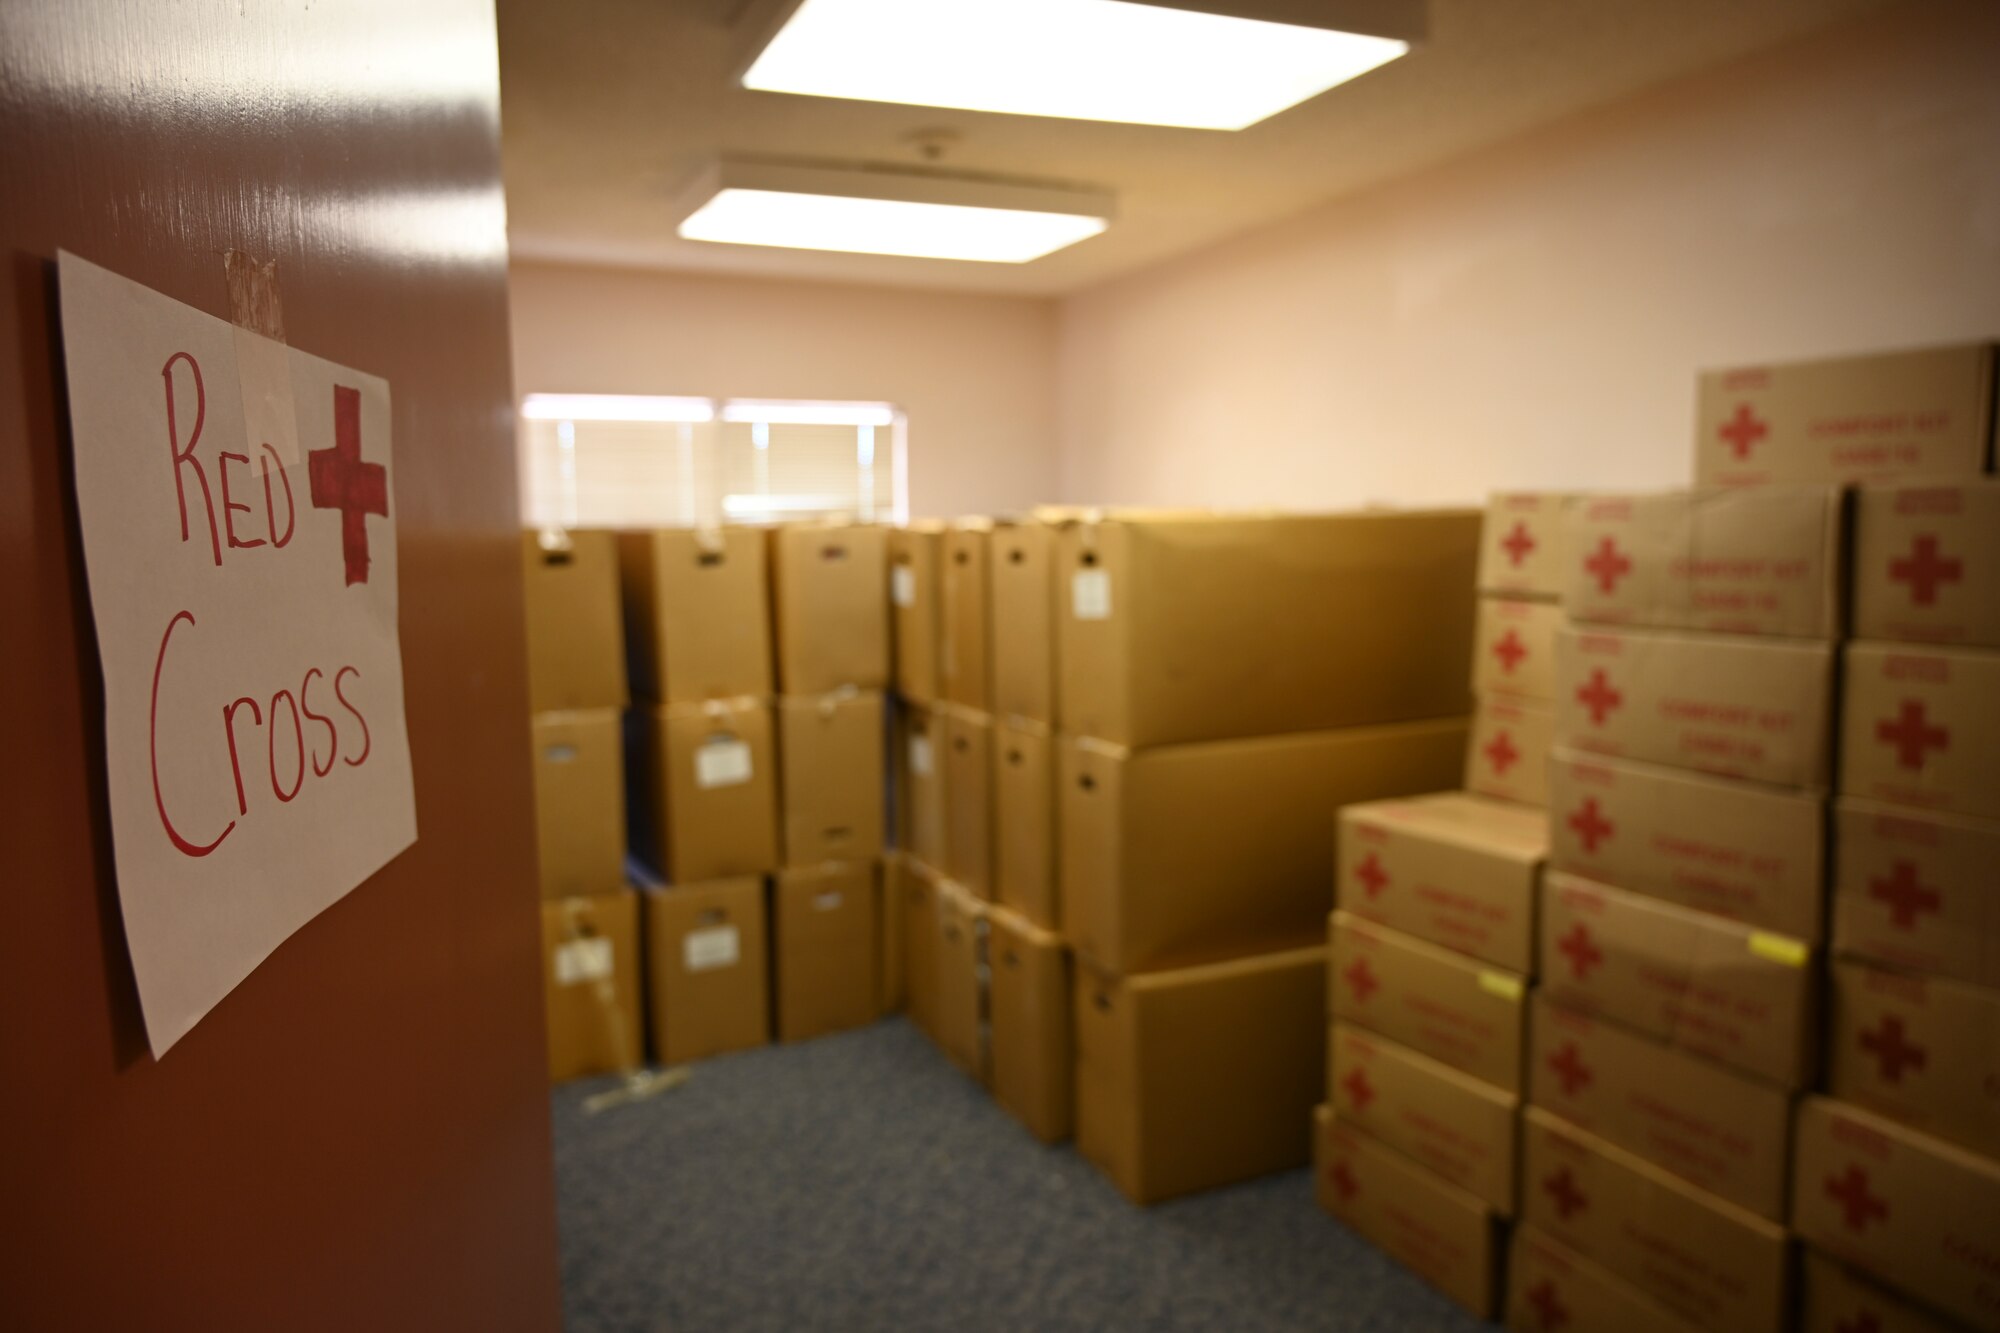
(859,1182)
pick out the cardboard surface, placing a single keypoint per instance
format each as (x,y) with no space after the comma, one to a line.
(1450,868)
(1459,1128)
(579,769)
(1742,850)
(1915,890)
(892,966)
(824,936)
(1514,648)
(966,674)
(1839,1300)
(830,606)
(1730,705)
(1717,1129)
(1918,1049)
(920,783)
(707,969)
(1436,1230)
(1187,853)
(1024,627)
(576,638)
(968,799)
(1454,1009)
(1764,560)
(590,984)
(1700,1257)
(704,790)
(916,608)
(1024,820)
(1921,727)
(833,777)
(1357,619)
(1201,1077)
(1927,562)
(961,980)
(1552,1287)
(1524,544)
(922,944)
(1926,412)
(1034,1057)
(1696,982)
(1507,755)
(697,613)
(1910,1209)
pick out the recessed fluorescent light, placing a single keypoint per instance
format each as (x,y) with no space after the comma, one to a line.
(793,413)
(1144,63)
(614,407)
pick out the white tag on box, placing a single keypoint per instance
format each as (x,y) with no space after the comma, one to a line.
(722,762)
(587,959)
(829,901)
(920,756)
(711,947)
(1090,594)
(903,586)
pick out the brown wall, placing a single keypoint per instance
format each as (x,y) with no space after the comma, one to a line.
(358,1137)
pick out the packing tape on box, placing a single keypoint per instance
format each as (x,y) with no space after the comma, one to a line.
(708,538)
(716,709)
(829,702)
(603,988)
(263,361)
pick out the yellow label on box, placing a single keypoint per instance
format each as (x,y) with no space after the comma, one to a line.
(1499,983)
(1779,949)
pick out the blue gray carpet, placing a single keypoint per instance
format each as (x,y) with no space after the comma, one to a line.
(859,1182)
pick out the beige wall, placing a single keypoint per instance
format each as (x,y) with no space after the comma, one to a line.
(1533,316)
(974,373)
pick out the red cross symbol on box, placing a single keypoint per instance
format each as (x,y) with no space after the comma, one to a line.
(1518,543)
(1581,950)
(1912,734)
(1864,1321)
(1892,1051)
(1510,650)
(1925,570)
(1500,752)
(1359,1090)
(1609,564)
(1561,1187)
(1742,431)
(1570,1069)
(1590,825)
(1362,979)
(1857,1205)
(1344,1183)
(340,480)
(1373,877)
(1905,894)
(1599,697)
(1549,1311)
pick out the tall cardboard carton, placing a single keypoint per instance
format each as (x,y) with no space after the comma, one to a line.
(1921,413)
(1034,1059)
(916,608)
(576,643)
(1434,1001)
(961,980)
(1839,1300)
(892,967)
(825,938)
(1507,755)
(1024,820)
(1927,562)
(968,799)
(922,943)
(1552,1287)
(1192,852)
(1915,890)
(1024,629)
(1921,727)
(1524,545)
(1174,630)
(830,606)
(590,980)
(1460,1128)
(708,970)
(966,677)
(920,784)
(1201,1077)
(705,790)
(579,773)
(697,613)
(1514,648)
(833,777)
(1918,1049)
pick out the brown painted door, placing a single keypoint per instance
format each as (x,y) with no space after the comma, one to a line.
(358,1137)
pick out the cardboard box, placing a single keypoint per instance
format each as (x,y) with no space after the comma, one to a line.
(590,984)
(1742,850)
(829,607)
(1699,1256)
(1551,1287)
(697,613)
(1514,648)
(1922,413)
(576,641)
(1034,1058)
(708,988)
(825,938)
(1194,852)
(1202,1077)
(1696,982)
(579,770)
(1727,1134)
(968,799)
(1757,561)
(1915,890)
(916,605)
(1438,1003)
(1910,1209)
(1730,705)
(1918,1049)
(1024,820)
(1356,619)
(1449,868)
(892,966)
(1921,727)
(961,980)
(920,809)
(1458,1127)
(705,790)
(1927,562)
(1839,1300)
(834,777)
(1507,756)
(966,677)
(1524,544)
(923,936)
(1024,626)
(1441,1233)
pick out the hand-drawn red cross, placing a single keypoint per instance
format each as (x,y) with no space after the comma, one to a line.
(1905,894)
(340,480)
(1510,650)
(1372,876)
(1362,978)
(1561,1187)
(1548,1308)
(1500,752)
(1856,1204)
(1925,570)
(1911,734)
(1581,950)
(1518,543)
(1599,697)
(1893,1053)
(1742,431)
(1590,824)
(1344,1183)
(1570,1068)
(1609,564)
(1359,1090)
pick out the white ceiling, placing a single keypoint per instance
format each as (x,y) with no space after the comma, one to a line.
(611,105)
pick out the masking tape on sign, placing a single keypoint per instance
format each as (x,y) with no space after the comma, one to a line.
(263,361)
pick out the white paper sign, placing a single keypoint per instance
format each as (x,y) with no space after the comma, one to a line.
(721,762)
(903,586)
(246,616)
(1090,594)
(920,756)
(578,961)
(711,947)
